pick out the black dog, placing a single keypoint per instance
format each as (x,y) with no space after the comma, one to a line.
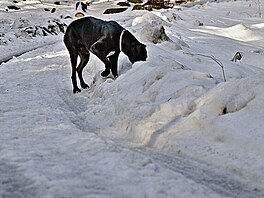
(105,39)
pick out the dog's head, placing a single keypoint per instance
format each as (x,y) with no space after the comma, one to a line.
(138,52)
(135,50)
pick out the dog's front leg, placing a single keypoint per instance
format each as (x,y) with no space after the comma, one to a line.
(98,49)
(113,63)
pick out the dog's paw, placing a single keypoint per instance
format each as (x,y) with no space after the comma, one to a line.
(105,73)
(115,75)
(85,86)
(76,90)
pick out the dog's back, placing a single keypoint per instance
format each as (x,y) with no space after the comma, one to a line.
(88,30)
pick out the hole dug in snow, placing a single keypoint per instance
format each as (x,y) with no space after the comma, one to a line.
(226,98)
(237,103)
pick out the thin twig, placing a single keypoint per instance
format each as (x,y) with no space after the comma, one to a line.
(214,59)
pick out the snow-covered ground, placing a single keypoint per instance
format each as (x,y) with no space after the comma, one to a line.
(168,127)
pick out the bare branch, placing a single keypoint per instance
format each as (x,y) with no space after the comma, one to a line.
(214,59)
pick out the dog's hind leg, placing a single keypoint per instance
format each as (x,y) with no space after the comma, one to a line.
(73,57)
(84,55)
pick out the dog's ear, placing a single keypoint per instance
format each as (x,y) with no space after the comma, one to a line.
(140,48)
(134,44)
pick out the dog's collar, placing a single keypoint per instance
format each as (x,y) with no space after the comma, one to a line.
(120,44)
(120,40)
